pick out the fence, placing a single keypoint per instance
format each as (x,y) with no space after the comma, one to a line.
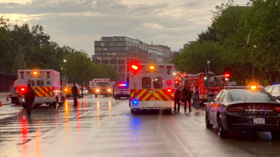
(6,81)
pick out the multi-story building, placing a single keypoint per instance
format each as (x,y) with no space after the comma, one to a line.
(156,53)
(167,53)
(119,52)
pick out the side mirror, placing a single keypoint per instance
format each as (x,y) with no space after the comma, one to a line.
(210,99)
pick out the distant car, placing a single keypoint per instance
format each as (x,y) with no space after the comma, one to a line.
(243,110)
(121,90)
(85,91)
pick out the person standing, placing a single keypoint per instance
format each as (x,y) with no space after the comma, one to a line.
(74,91)
(29,99)
(196,98)
(189,97)
(177,99)
(186,93)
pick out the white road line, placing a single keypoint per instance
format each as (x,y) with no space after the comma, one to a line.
(182,145)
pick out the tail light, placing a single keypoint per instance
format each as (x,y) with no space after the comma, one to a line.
(234,109)
(277,109)
(169,90)
(115,90)
(22,89)
(128,90)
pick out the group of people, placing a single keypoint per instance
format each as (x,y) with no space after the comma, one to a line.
(30,98)
(185,97)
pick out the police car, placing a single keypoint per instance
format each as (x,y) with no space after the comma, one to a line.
(151,87)
(248,109)
(121,90)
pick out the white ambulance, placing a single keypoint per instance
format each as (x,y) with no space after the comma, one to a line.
(46,84)
(151,87)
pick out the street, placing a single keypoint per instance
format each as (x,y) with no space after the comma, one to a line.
(105,127)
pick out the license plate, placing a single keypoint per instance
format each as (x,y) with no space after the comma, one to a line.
(259,121)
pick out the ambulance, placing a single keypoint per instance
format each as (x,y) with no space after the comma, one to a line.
(151,87)
(101,86)
(46,84)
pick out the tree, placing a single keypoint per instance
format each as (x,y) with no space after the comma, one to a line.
(194,58)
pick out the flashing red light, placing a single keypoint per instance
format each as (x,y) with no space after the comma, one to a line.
(227,75)
(134,67)
(168,90)
(122,85)
(22,89)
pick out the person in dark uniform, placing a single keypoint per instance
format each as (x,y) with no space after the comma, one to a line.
(186,93)
(189,98)
(74,91)
(29,99)
(177,99)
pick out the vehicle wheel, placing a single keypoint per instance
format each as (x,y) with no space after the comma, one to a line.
(275,134)
(24,105)
(132,111)
(208,125)
(62,101)
(222,133)
(53,104)
(167,111)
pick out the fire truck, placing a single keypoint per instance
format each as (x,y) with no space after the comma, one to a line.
(211,83)
(101,86)
(46,84)
(151,87)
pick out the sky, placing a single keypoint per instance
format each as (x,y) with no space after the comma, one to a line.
(78,23)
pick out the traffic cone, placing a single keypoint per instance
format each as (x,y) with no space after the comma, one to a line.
(0,103)
(7,97)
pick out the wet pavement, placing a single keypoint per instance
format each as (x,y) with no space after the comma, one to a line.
(105,127)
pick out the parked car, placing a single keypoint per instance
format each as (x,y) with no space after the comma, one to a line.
(243,110)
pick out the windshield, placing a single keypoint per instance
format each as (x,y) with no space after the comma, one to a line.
(102,84)
(247,95)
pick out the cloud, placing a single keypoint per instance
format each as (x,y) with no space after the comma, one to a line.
(78,23)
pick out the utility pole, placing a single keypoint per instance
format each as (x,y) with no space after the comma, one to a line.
(20,56)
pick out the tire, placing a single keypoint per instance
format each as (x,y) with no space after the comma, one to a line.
(132,111)
(62,101)
(167,111)
(275,134)
(208,125)
(53,104)
(24,105)
(222,133)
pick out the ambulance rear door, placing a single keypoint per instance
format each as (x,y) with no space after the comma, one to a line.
(157,73)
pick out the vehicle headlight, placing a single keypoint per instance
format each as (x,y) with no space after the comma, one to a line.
(97,90)
(109,90)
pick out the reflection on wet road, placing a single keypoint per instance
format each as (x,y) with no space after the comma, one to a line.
(105,127)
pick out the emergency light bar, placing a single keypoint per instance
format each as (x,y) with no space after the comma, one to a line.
(122,84)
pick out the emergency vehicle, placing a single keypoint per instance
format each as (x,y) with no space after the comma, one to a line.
(151,87)
(68,90)
(101,86)
(215,82)
(46,84)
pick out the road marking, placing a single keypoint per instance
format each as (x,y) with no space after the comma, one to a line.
(182,145)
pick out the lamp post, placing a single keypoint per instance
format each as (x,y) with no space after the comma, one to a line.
(65,62)
(208,69)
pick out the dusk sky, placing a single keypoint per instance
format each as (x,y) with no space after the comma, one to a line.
(78,23)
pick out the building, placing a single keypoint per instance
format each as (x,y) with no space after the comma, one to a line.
(167,53)
(156,54)
(119,52)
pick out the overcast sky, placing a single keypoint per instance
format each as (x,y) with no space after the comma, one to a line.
(78,23)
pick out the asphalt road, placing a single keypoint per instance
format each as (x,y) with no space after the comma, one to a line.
(105,127)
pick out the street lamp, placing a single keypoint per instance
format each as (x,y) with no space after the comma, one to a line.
(65,62)
(208,69)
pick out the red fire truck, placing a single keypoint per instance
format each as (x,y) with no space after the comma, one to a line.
(211,83)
